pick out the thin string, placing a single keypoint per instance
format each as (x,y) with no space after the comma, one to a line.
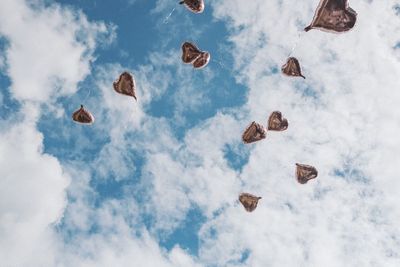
(167,17)
(221,65)
(68,110)
(84,100)
(299,35)
(220,60)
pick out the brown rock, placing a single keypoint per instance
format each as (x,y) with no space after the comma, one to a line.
(304,173)
(333,16)
(125,85)
(253,133)
(276,122)
(292,68)
(249,201)
(83,116)
(190,52)
(196,6)
(202,60)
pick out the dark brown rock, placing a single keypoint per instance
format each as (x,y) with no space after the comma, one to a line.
(202,60)
(249,201)
(333,16)
(304,173)
(253,133)
(196,6)
(292,68)
(190,52)
(276,122)
(83,116)
(125,85)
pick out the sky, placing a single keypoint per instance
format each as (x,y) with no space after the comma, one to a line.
(156,182)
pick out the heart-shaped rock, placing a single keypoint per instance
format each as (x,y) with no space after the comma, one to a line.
(196,6)
(276,122)
(83,116)
(253,133)
(333,16)
(125,85)
(202,60)
(292,68)
(304,173)
(190,52)
(249,201)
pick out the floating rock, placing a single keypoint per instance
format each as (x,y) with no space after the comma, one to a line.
(304,173)
(193,55)
(276,122)
(333,16)
(202,60)
(190,52)
(253,133)
(196,6)
(292,68)
(125,85)
(249,201)
(83,116)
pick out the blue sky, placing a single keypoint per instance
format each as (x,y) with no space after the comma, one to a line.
(156,182)
(141,31)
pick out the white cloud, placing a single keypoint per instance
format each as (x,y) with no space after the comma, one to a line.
(50,48)
(32,193)
(111,234)
(342,119)
(326,219)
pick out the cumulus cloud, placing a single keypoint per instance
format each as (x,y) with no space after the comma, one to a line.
(332,117)
(342,120)
(33,196)
(50,48)
(111,233)
(337,122)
